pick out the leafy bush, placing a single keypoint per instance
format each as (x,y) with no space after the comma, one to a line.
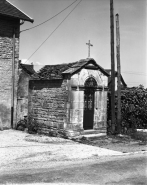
(133,108)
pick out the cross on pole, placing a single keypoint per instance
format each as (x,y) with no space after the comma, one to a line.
(89,48)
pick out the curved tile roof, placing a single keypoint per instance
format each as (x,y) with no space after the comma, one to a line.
(49,72)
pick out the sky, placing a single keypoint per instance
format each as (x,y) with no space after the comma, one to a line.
(90,20)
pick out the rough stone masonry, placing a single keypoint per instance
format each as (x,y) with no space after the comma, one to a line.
(10,20)
(6,52)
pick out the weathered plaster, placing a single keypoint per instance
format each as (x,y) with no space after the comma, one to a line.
(76,99)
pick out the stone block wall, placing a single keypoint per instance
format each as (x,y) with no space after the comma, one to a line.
(76,109)
(48,105)
(7,26)
(100,111)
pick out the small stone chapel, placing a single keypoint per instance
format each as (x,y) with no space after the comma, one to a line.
(68,99)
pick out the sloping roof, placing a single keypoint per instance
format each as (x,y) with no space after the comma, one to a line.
(28,68)
(58,71)
(109,80)
(8,9)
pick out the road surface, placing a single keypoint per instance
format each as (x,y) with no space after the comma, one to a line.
(120,170)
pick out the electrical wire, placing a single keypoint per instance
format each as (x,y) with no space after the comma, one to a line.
(134,82)
(53,31)
(134,73)
(48,19)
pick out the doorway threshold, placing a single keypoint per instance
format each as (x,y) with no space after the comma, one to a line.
(93,133)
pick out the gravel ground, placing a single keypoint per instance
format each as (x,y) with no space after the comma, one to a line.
(125,145)
(122,143)
(20,147)
(23,154)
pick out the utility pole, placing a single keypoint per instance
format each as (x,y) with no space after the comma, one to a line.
(118,75)
(13,81)
(112,68)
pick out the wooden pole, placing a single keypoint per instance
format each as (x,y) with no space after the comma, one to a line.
(13,81)
(112,69)
(118,76)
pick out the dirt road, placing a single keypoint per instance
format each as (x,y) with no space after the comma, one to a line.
(39,159)
(122,170)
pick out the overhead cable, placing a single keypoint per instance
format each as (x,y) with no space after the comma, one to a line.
(48,19)
(54,30)
(134,82)
(134,73)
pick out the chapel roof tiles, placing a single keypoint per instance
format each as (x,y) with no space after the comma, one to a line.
(8,9)
(49,72)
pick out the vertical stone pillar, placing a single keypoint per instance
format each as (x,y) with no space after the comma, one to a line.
(6,52)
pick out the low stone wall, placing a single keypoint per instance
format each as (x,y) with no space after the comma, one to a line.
(47,104)
(52,131)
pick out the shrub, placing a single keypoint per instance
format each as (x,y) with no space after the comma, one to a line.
(133,108)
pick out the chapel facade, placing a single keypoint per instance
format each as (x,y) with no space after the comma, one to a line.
(67,99)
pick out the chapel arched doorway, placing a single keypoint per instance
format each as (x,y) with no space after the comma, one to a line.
(89,92)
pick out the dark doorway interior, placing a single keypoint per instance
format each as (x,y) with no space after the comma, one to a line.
(88,109)
(90,85)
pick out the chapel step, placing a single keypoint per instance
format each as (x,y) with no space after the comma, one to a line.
(94,133)
(91,136)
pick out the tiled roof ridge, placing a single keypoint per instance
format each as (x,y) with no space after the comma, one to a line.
(48,71)
(58,71)
(70,63)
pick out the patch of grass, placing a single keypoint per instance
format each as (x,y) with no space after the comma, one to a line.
(122,143)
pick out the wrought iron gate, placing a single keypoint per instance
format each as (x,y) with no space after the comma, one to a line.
(88,119)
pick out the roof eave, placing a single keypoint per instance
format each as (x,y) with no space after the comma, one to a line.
(29,18)
(103,71)
(91,60)
(100,68)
